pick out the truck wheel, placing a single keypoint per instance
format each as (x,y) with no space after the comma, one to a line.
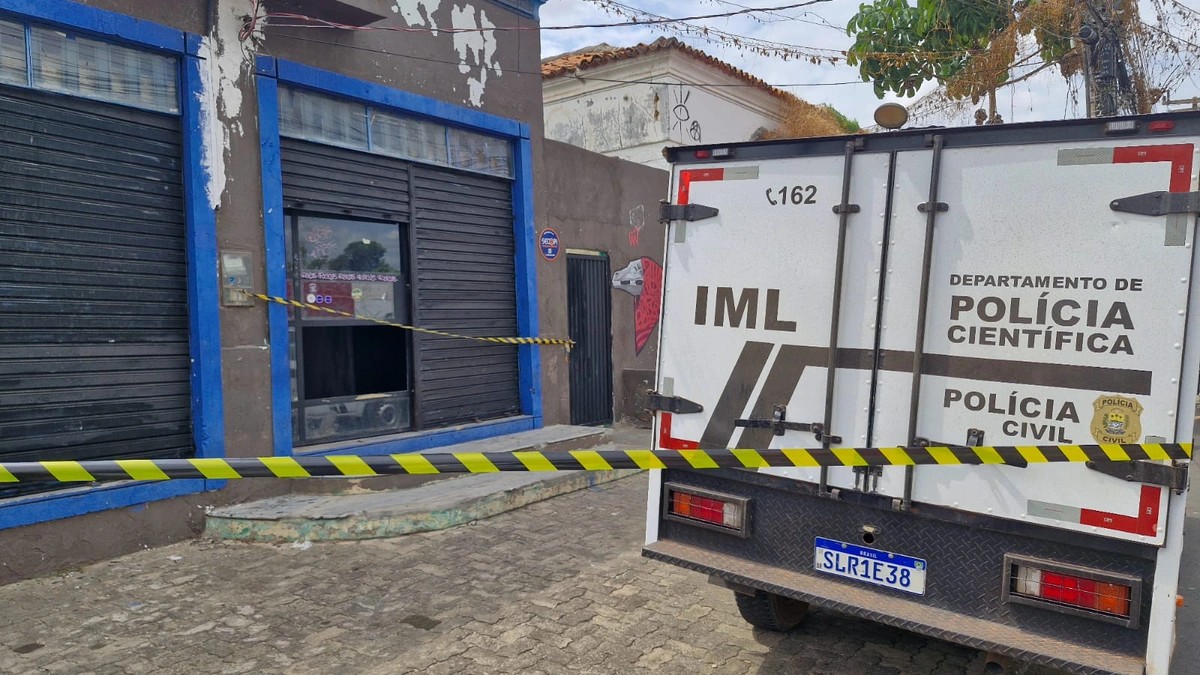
(769,611)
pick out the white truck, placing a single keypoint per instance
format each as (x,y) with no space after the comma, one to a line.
(902,298)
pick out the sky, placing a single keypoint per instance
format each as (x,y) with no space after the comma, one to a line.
(1045,96)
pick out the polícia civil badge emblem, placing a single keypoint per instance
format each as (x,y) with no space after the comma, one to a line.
(1117,420)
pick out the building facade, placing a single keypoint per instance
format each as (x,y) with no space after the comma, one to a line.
(164,159)
(630,102)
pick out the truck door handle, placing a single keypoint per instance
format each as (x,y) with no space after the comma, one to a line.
(778,424)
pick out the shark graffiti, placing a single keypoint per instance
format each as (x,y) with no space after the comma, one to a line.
(642,279)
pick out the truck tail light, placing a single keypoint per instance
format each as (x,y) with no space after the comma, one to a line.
(704,508)
(1076,590)
(1160,125)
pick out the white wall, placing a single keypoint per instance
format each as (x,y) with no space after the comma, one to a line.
(635,121)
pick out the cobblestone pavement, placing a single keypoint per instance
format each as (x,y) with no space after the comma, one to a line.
(555,587)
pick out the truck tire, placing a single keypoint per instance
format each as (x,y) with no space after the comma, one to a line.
(769,611)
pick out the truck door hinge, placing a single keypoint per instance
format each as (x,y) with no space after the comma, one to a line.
(673,404)
(778,424)
(1158,203)
(1173,476)
(689,212)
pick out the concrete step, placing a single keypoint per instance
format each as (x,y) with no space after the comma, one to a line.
(432,506)
(557,437)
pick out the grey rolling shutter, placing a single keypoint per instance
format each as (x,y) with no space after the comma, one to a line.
(465,284)
(94,359)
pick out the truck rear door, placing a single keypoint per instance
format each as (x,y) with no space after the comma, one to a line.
(750,296)
(1051,318)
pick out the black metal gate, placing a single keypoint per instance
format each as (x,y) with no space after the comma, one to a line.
(94,360)
(589,316)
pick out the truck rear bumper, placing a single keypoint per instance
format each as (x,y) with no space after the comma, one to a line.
(966,562)
(864,603)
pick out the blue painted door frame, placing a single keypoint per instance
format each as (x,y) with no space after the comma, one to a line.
(271,72)
(203,299)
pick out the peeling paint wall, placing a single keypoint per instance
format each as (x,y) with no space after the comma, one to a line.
(610,120)
(635,121)
(496,71)
(475,47)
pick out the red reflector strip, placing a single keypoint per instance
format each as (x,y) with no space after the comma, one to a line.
(686,178)
(1180,157)
(666,441)
(1145,522)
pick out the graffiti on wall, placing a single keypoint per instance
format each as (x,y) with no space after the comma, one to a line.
(637,220)
(642,279)
(681,115)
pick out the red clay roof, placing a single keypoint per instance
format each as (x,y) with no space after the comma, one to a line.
(603,54)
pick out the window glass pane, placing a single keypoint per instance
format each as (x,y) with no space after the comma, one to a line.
(477,152)
(407,137)
(349,266)
(12,54)
(82,67)
(322,119)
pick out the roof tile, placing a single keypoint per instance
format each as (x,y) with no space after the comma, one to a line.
(603,54)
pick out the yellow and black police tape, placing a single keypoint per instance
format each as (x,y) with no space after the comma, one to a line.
(573,460)
(430,331)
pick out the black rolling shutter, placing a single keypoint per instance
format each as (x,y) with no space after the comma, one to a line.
(336,181)
(94,359)
(466,284)
(464,278)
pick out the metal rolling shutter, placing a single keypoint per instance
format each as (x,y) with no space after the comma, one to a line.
(466,284)
(94,359)
(464,279)
(337,181)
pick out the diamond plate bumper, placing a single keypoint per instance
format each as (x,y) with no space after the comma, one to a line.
(962,602)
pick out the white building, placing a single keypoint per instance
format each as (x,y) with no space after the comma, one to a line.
(630,102)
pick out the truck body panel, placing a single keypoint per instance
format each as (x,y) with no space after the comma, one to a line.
(1052,317)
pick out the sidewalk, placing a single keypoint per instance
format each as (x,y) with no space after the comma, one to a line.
(555,587)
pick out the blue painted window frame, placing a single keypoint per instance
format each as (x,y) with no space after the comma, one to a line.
(208,423)
(270,72)
(526,8)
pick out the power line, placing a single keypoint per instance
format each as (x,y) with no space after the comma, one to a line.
(1183,6)
(692,84)
(581,77)
(312,22)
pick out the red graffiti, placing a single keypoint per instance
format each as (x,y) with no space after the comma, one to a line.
(642,279)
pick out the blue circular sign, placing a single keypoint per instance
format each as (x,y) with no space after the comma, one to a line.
(548,244)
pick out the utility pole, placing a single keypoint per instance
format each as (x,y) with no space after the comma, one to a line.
(1107,85)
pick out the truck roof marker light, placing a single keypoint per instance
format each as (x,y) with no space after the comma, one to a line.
(722,153)
(703,154)
(1120,128)
(1160,125)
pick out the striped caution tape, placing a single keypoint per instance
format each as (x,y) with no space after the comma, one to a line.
(350,315)
(574,460)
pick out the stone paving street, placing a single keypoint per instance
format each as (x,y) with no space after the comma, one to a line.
(555,587)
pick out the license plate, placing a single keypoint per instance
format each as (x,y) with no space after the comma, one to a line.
(871,565)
